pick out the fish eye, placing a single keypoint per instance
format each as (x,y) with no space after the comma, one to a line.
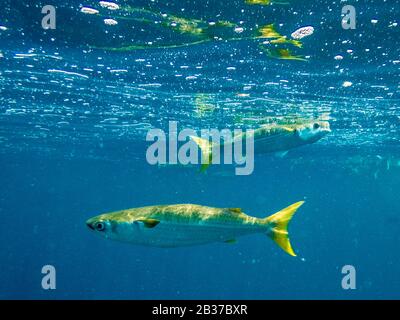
(316,126)
(100,226)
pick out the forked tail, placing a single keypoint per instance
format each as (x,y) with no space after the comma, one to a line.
(206,152)
(278,226)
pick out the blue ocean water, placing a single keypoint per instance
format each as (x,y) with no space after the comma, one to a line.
(75,110)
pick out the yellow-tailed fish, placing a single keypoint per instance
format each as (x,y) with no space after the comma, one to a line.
(284,54)
(189,224)
(201,31)
(271,138)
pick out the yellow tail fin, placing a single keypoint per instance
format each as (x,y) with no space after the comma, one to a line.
(278,227)
(206,152)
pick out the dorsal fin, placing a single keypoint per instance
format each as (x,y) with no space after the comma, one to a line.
(235,210)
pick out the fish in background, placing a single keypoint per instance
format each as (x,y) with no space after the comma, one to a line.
(189,224)
(270,138)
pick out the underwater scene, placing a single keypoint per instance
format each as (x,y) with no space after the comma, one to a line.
(181,149)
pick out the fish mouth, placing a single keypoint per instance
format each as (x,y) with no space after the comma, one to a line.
(89,225)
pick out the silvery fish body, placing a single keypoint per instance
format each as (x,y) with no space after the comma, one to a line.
(189,224)
(281,138)
(271,138)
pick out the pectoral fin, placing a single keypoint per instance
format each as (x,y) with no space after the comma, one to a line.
(148,222)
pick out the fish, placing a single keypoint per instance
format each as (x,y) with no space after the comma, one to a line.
(199,31)
(179,225)
(269,138)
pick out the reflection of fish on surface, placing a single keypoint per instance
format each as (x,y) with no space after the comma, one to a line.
(282,54)
(192,26)
(198,31)
(269,32)
(188,224)
(158,19)
(204,105)
(265,2)
(201,31)
(271,138)
(276,40)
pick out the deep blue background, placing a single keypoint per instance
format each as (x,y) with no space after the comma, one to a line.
(347,219)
